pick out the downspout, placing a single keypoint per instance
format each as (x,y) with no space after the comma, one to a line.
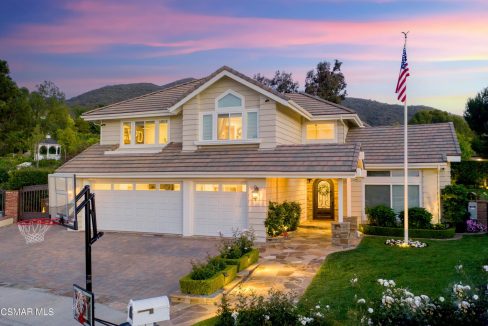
(344,130)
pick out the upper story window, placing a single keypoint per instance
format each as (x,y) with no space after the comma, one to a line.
(145,132)
(230,121)
(321,131)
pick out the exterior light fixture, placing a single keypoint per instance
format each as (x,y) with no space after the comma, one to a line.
(255,193)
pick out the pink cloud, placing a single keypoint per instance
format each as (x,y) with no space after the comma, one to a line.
(95,26)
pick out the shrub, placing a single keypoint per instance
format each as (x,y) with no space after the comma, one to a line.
(208,286)
(474,226)
(381,215)
(455,205)
(245,261)
(3,175)
(282,217)
(414,233)
(276,309)
(28,177)
(208,269)
(418,218)
(240,244)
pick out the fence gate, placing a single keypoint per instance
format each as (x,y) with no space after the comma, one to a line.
(34,202)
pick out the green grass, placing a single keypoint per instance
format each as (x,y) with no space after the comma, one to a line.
(207,322)
(427,271)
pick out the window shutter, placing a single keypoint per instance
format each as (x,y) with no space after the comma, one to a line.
(252,125)
(207,127)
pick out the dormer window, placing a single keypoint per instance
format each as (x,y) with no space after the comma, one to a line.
(145,132)
(230,121)
(323,131)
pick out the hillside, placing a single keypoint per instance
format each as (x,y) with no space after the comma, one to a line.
(116,93)
(372,112)
(377,113)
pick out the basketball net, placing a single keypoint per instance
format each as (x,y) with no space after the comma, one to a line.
(34,229)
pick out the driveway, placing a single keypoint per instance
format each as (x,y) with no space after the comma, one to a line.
(125,266)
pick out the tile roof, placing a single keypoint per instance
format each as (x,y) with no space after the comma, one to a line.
(324,158)
(318,106)
(426,143)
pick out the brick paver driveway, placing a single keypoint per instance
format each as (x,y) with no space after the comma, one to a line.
(125,265)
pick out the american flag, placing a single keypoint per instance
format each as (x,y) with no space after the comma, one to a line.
(401,88)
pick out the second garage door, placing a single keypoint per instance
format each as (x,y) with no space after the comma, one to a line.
(220,207)
(139,207)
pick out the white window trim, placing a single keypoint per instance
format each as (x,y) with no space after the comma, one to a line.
(390,181)
(214,140)
(318,141)
(133,133)
(231,108)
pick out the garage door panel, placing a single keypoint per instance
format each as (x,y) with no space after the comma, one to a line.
(140,211)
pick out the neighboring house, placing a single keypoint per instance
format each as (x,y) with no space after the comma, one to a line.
(48,149)
(207,156)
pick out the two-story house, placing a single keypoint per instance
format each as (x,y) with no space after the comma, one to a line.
(208,155)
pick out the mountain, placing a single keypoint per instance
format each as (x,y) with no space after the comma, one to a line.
(116,93)
(377,113)
(372,112)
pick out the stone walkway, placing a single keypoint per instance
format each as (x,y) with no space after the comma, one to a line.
(284,264)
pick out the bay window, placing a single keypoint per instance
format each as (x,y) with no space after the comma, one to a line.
(150,132)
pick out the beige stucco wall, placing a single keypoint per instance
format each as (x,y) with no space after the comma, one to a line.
(281,189)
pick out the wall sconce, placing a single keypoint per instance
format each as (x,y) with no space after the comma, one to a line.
(255,193)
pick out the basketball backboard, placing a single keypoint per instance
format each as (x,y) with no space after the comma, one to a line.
(64,190)
(83,306)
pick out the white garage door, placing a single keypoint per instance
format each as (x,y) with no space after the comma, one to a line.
(154,207)
(219,208)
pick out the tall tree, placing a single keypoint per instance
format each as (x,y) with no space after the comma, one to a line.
(327,82)
(282,82)
(464,134)
(476,114)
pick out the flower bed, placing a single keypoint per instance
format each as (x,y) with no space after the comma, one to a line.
(401,243)
(245,261)
(210,285)
(414,233)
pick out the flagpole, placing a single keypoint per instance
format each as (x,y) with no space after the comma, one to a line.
(405,165)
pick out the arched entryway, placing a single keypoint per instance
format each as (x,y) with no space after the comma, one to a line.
(323,199)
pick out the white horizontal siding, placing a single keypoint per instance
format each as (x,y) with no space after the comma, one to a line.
(110,132)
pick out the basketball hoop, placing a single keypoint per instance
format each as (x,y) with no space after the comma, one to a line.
(34,229)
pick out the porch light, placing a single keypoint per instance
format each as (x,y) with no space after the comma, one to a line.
(255,193)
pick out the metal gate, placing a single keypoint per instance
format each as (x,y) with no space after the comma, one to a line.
(34,202)
(2,202)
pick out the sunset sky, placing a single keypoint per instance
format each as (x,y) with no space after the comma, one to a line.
(82,45)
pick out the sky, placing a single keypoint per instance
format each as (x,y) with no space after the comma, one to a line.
(83,45)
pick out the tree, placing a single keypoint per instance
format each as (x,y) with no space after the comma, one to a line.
(476,114)
(326,82)
(464,134)
(282,82)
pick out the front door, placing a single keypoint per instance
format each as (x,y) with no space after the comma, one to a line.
(323,199)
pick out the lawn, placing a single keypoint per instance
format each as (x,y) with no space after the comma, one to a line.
(429,271)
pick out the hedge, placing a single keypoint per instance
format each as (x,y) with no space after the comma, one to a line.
(28,177)
(245,261)
(414,233)
(209,286)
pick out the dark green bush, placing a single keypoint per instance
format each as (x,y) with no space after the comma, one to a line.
(455,205)
(208,269)
(3,175)
(245,261)
(381,215)
(208,286)
(413,233)
(282,217)
(418,218)
(49,163)
(28,177)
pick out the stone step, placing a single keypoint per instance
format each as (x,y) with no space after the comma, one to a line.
(315,227)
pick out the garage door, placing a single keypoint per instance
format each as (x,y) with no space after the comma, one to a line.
(219,208)
(140,207)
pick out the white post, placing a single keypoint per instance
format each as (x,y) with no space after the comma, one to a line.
(348,198)
(340,196)
(188,211)
(405,169)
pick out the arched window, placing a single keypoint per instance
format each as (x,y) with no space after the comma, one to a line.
(52,150)
(59,150)
(43,150)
